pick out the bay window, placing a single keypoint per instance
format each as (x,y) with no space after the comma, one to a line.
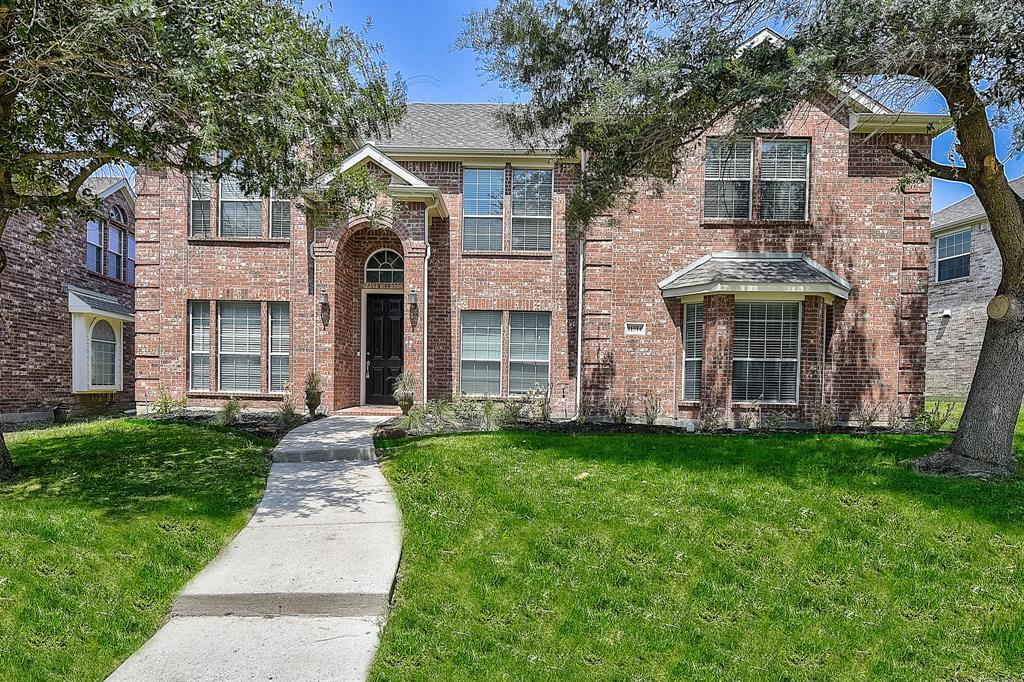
(766,351)
(239,344)
(693,350)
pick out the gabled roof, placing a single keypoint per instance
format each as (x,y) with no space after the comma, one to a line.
(967,210)
(103,186)
(747,272)
(82,301)
(457,127)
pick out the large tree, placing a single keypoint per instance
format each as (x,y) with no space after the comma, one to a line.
(635,83)
(254,86)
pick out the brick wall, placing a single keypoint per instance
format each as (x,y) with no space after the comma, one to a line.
(954,342)
(35,325)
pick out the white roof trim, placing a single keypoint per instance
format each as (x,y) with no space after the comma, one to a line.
(370,153)
(121,185)
(900,122)
(76,305)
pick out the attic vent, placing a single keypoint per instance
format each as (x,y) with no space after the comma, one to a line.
(636,329)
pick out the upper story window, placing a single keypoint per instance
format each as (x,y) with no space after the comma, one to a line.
(116,243)
(385,267)
(241,214)
(483,202)
(130,269)
(531,210)
(110,248)
(94,246)
(280,216)
(782,182)
(953,256)
(199,206)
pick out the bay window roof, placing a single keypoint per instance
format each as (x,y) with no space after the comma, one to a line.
(754,272)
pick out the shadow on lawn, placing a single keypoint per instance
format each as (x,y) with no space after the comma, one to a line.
(133,467)
(858,464)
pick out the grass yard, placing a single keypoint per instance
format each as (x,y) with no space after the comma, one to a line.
(107,522)
(604,557)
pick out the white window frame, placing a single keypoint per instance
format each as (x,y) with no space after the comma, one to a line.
(513,215)
(193,198)
(122,238)
(274,200)
(116,343)
(806,179)
(131,247)
(501,352)
(749,179)
(686,358)
(500,216)
(969,254)
(271,353)
(510,361)
(797,361)
(247,199)
(367,269)
(101,228)
(192,353)
(221,353)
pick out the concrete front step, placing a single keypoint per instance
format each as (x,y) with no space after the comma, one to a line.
(329,439)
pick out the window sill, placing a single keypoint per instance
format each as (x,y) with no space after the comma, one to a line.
(507,254)
(755,224)
(248,241)
(108,278)
(241,396)
(958,280)
(754,404)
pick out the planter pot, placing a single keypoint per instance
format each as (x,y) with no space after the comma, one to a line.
(405,404)
(60,414)
(312,403)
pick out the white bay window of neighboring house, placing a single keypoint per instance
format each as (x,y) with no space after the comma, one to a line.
(693,350)
(239,346)
(531,209)
(280,346)
(953,256)
(199,345)
(766,351)
(529,351)
(483,202)
(480,368)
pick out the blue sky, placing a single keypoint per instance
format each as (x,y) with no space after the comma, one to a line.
(418,38)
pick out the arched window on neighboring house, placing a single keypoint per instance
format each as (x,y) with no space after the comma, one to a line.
(103,355)
(385,267)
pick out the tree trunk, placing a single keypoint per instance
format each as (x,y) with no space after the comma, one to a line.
(6,463)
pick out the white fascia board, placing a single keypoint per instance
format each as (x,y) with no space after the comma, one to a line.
(403,192)
(123,186)
(370,153)
(828,273)
(911,122)
(547,157)
(959,226)
(807,289)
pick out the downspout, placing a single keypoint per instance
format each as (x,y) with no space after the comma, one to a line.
(579,310)
(426,288)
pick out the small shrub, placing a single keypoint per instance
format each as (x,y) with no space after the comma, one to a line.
(771,421)
(618,409)
(230,411)
(464,411)
(712,419)
(825,419)
(540,398)
(440,414)
(488,415)
(866,415)
(166,404)
(936,418)
(745,421)
(414,421)
(514,413)
(584,410)
(288,413)
(652,408)
(894,412)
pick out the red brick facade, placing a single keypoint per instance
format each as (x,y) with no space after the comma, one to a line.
(867,349)
(36,325)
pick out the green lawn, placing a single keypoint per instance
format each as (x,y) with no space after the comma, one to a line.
(560,557)
(108,521)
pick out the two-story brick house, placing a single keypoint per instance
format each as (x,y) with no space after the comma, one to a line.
(67,311)
(964,275)
(782,269)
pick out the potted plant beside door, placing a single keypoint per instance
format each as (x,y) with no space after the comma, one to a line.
(405,391)
(314,392)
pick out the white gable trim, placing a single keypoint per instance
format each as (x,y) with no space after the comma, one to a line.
(370,153)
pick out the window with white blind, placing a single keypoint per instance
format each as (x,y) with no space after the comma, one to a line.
(102,355)
(199,345)
(483,201)
(280,216)
(766,351)
(783,175)
(94,246)
(115,251)
(238,339)
(728,169)
(531,209)
(529,351)
(481,352)
(280,347)
(241,214)
(953,256)
(693,350)
(199,206)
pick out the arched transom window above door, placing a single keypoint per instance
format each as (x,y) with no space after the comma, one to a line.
(385,267)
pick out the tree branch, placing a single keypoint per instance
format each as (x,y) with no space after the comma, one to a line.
(921,162)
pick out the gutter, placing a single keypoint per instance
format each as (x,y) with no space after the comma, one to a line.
(426,288)
(579,310)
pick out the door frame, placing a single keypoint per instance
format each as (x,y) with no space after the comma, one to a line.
(362,335)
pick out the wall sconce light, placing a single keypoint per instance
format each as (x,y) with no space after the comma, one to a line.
(414,297)
(325,308)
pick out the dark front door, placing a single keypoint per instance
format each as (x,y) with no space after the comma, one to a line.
(383,347)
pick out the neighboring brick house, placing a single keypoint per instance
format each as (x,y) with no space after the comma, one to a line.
(785,269)
(965,272)
(66,334)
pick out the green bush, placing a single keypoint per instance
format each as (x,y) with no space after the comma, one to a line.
(230,411)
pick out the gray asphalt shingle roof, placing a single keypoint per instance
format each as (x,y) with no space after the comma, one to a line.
(449,126)
(768,268)
(968,209)
(104,304)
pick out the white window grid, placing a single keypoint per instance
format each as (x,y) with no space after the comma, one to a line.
(952,246)
(492,179)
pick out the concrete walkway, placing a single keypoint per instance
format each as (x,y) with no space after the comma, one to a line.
(302,592)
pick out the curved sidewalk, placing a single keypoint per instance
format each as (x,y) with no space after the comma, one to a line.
(302,592)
